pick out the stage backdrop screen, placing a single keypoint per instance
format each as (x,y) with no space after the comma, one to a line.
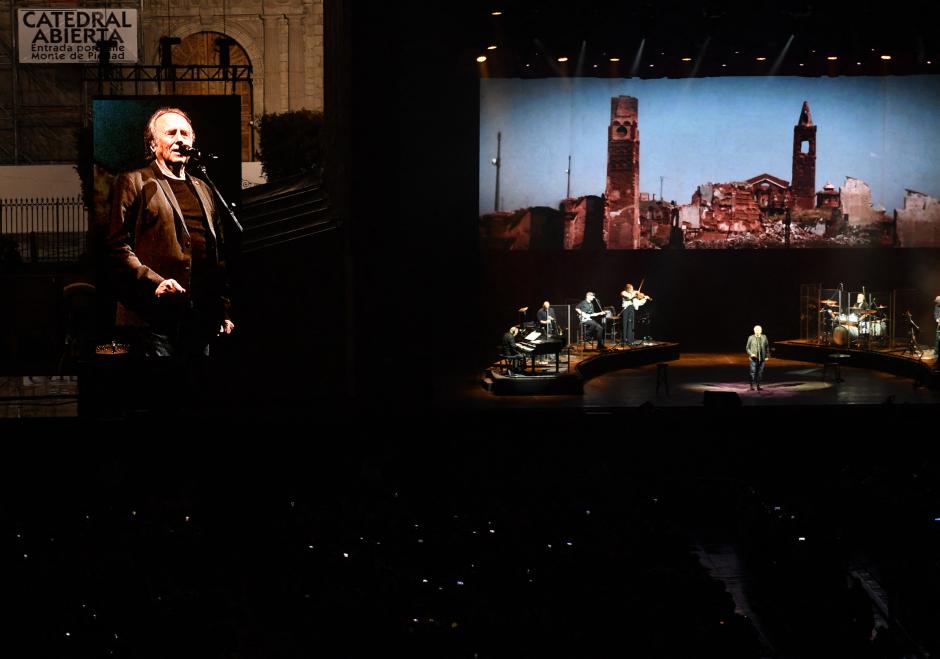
(737,162)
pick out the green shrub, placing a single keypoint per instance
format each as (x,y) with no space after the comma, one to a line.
(289,143)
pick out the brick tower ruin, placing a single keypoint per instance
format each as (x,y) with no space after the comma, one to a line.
(622,198)
(803,181)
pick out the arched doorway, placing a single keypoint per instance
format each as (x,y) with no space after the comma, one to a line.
(203,48)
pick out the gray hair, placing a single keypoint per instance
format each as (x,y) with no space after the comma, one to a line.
(151,126)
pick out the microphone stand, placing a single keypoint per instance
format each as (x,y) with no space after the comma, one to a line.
(195,162)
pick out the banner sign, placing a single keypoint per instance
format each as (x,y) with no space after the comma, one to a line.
(71,36)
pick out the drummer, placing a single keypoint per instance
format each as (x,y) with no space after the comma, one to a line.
(860,303)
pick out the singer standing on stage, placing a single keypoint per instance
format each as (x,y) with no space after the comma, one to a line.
(758,349)
(165,251)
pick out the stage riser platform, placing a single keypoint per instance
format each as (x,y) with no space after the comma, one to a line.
(886,362)
(607,362)
(572,383)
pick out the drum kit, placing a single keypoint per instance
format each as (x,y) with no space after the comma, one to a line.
(858,328)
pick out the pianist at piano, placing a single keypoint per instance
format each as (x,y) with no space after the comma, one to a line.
(511,352)
(531,346)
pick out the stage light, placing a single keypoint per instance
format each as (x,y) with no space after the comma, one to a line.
(491,47)
(831,58)
(497,13)
(686,59)
(801,63)
(761,59)
(652,65)
(802,539)
(723,65)
(562,59)
(614,59)
(886,57)
(481,59)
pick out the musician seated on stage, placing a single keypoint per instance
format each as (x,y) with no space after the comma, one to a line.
(860,302)
(511,352)
(588,309)
(547,322)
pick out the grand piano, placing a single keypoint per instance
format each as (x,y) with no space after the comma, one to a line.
(541,346)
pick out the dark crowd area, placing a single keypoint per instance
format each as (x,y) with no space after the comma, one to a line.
(573,539)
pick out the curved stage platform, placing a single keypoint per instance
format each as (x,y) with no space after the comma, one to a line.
(897,360)
(580,368)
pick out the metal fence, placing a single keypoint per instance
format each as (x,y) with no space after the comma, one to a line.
(45,230)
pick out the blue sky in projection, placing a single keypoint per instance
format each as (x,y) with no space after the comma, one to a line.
(883,130)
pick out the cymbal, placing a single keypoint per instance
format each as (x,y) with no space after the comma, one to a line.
(829,302)
(882,306)
(523,309)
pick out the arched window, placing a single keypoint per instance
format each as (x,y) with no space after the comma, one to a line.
(204,48)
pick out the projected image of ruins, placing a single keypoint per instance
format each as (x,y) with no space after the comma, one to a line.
(711,171)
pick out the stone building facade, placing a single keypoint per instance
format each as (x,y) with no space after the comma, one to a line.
(282,40)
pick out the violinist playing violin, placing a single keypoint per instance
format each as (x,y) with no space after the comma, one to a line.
(631,300)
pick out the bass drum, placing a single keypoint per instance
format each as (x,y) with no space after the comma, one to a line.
(844,334)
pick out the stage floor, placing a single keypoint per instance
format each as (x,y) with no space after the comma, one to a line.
(786,382)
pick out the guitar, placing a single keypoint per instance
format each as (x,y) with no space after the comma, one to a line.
(586,316)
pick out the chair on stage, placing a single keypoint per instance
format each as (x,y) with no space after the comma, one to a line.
(510,363)
(583,329)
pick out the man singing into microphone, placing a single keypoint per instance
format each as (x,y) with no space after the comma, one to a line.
(165,253)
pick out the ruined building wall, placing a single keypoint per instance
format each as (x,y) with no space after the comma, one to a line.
(918,223)
(856,203)
(804,164)
(584,217)
(622,211)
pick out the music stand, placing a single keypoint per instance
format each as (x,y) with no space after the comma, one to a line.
(912,346)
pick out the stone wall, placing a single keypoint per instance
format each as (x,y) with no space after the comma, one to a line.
(918,223)
(856,203)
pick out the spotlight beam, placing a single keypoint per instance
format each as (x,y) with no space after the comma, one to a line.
(582,55)
(779,61)
(634,69)
(700,57)
(552,63)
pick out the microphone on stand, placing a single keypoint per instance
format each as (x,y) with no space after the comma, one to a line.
(185,150)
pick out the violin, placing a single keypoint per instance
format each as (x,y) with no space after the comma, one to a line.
(639,291)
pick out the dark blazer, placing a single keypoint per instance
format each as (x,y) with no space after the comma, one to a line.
(753,342)
(148,242)
(509,345)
